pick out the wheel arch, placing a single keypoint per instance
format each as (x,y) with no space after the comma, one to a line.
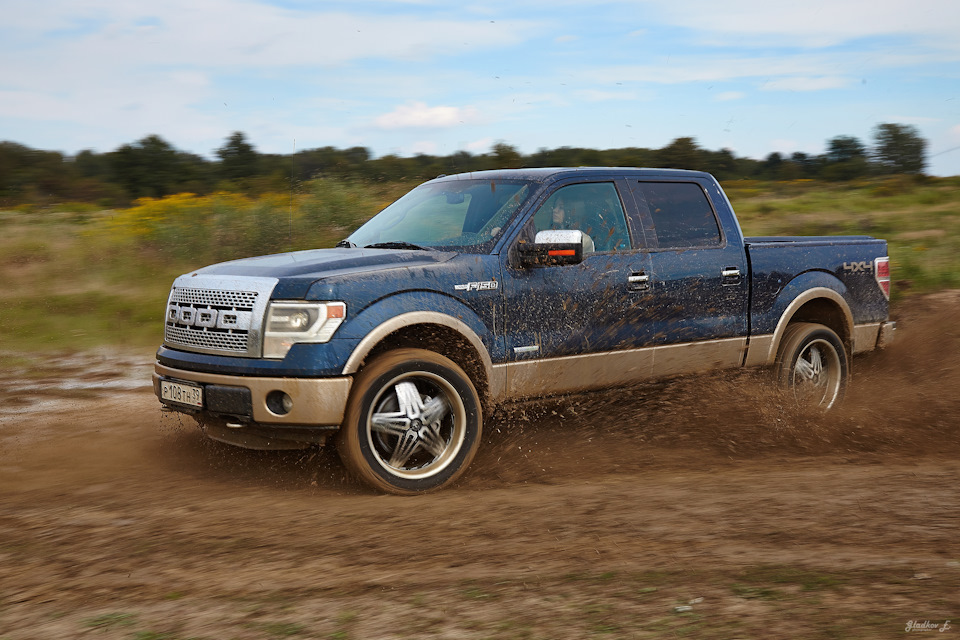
(433,331)
(819,305)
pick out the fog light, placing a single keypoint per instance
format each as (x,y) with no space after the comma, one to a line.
(279,403)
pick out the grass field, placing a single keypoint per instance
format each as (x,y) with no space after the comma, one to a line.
(78,279)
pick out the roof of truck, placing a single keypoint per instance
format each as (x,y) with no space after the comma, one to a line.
(545,174)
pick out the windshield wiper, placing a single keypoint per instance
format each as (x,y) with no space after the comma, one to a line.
(396,244)
(345,244)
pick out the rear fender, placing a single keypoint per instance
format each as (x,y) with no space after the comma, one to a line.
(806,288)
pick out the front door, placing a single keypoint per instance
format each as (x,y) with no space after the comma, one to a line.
(556,317)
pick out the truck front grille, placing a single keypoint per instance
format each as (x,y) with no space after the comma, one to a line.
(233,342)
(206,297)
(217,315)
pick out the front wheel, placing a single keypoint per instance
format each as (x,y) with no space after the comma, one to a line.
(812,363)
(413,422)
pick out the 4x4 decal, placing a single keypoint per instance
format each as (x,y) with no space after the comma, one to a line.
(857,267)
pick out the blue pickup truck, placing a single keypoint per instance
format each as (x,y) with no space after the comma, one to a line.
(477,289)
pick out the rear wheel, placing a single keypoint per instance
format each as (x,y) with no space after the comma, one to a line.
(812,364)
(413,422)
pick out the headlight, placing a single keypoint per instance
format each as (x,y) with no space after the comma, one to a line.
(291,322)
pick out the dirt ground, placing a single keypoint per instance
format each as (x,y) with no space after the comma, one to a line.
(704,507)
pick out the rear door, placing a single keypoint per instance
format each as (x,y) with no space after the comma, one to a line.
(698,277)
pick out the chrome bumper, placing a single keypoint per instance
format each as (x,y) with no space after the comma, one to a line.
(315,401)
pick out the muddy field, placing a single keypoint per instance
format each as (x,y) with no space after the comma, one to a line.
(702,508)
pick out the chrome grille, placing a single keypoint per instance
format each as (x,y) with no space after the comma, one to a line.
(237,300)
(208,339)
(217,315)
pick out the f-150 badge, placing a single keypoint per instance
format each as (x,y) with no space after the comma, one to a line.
(488,285)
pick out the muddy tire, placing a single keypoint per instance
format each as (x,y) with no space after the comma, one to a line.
(413,422)
(812,365)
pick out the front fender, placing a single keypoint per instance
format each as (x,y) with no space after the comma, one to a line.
(408,308)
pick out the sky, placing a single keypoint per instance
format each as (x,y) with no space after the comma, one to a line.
(437,77)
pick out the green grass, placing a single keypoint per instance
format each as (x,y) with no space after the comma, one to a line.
(74,280)
(111,621)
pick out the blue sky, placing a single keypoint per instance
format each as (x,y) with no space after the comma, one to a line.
(754,76)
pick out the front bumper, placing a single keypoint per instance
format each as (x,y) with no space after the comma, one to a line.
(316,402)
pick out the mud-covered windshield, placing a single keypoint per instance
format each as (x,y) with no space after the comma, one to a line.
(459,215)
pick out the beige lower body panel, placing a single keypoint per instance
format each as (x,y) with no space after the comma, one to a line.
(760,352)
(316,401)
(865,337)
(568,374)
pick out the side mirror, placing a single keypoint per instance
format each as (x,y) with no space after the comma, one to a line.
(551,248)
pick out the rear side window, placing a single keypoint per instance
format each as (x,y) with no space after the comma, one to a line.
(682,215)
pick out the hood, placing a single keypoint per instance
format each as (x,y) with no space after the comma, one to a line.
(298,270)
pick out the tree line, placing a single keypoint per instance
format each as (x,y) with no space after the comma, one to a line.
(152,167)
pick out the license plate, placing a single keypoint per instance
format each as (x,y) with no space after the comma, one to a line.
(181,393)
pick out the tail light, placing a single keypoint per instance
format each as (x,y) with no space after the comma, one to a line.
(881,270)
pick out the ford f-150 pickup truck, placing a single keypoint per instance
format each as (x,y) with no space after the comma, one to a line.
(477,289)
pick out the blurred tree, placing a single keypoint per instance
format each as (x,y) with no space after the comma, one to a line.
(772,165)
(844,148)
(682,153)
(630,157)
(238,158)
(898,148)
(722,164)
(809,165)
(506,156)
(146,168)
(389,167)
(90,164)
(846,159)
(459,162)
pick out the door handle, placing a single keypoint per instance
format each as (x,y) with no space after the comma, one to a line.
(638,281)
(731,275)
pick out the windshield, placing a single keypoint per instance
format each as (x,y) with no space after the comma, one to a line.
(461,215)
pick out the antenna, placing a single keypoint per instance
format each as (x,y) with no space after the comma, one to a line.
(293,177)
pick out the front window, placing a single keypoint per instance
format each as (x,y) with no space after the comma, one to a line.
(593,208)
(460,215)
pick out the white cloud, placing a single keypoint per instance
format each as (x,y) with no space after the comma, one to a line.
(815,23)
(425,147)
(480,146)
(800,83)
(595,95)
(417,115)
(184,69)
(566,38)
(691,68)
(911,120)
(784,146)
(245,32)
(797,72)
(727,96)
